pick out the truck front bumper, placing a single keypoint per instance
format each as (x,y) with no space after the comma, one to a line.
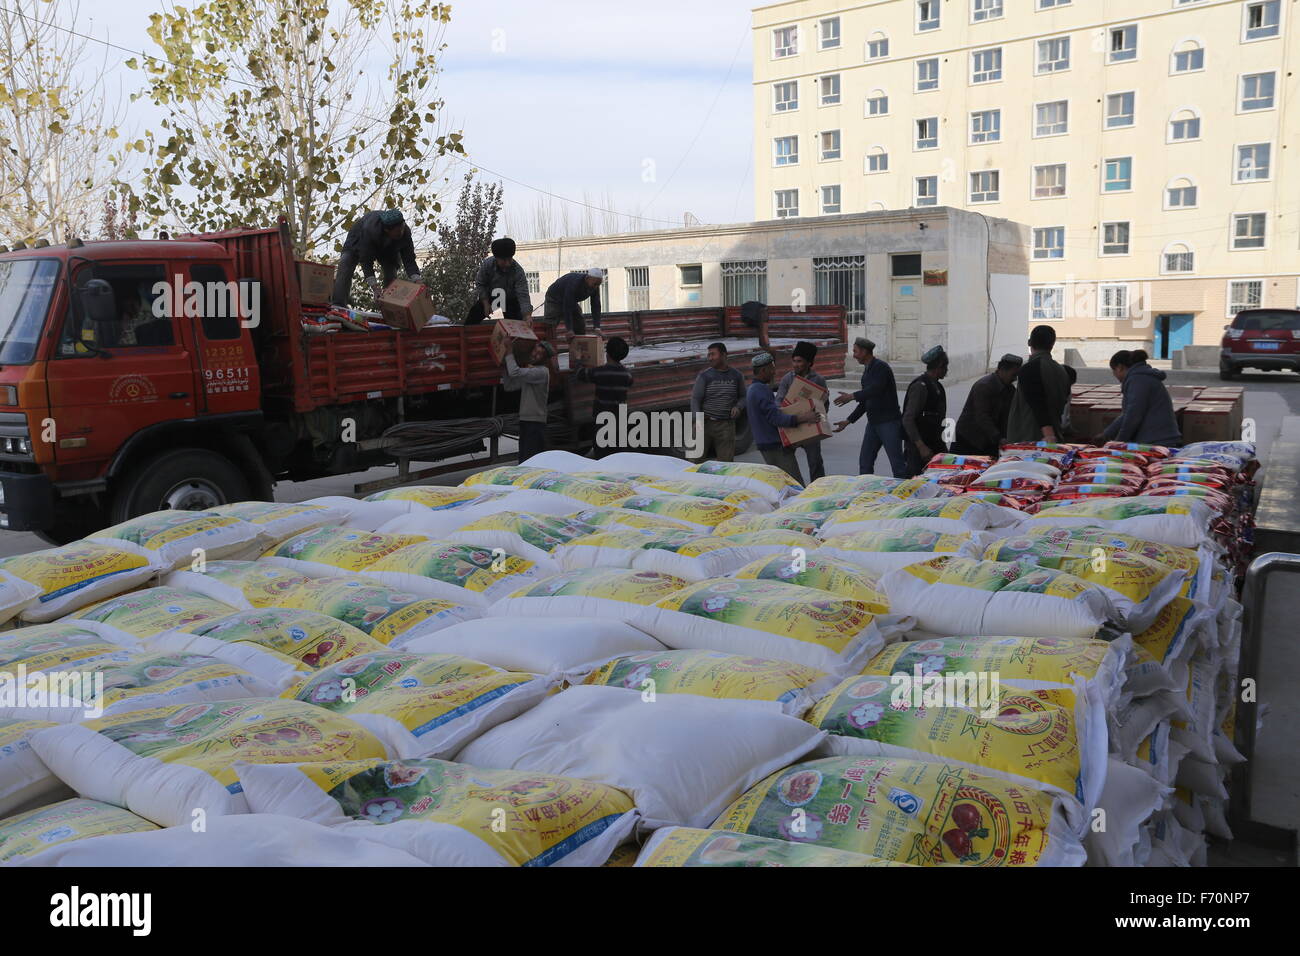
(26,502)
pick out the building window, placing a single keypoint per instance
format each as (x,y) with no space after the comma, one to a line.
(986,65)
(877,160)
(1178,258)
(1257,91)
(1118,175)
(927,15)
(877,46)
(785,42)
(1053,55)
(1052,119)
(1180,194)
(877,103)
(927,191)
(1114,238)
(1261,20)
(985,10)
(1114,302)
(691,275)
(829,33)
(787,203)
(927,133)
(638,288)
(1189,57)
(986,126)
(786,150)
(830,199)
(534,281)
(1254,162)
(1123,44)
(1049,181)
(1051,4)
(1049,242)
(744,282)
(1183,126)
(927,74)
(1248,230)
(1119,110)
(842,280)
(1048,303)
(984,186)
(830,86)
(785,96)
(1245,294)
(830,144)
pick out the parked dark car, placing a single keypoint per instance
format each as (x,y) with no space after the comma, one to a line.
(1266,339)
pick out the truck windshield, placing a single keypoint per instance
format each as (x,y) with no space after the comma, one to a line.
(26,286)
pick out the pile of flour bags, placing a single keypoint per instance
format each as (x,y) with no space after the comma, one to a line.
(631,661)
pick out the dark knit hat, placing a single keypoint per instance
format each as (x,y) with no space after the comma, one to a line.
(806,351)
(391,218)
(503,248)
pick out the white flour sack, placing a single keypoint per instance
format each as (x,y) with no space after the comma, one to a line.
(76,575)
(167,762)
(36,833)
(501,498)
(335,552)
(1129,798)
(614,548)
(568,463)
(950,515)
(142,614)
(882,551)
(613,519)
(451,814)
(440,497)
(239,584)
(758,618)
(635,462)
(968,596)
(15,595)
(389,616)
(900,488)
(817,571)
(702,557)
(682,759)
(366,515)
(276,520)
(1183,522)
(767,480)
(548,645)
(607,593)
(455,571)
(421,705)
(583,492)
(25,781)
(529,536)
(694,511)
(174,538)
(803,522)
(747,501)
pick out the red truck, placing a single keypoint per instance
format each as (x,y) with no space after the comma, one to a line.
(109,409)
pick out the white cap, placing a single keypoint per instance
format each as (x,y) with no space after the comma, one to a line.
(596,273)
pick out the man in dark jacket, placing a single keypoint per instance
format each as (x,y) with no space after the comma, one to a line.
(564,298)
(754,315)
(612,382)
(382,237)
(878,400)
(983,420)
(1043,395)
(501,283)
(1147,415)
(765,418)
(925,406)
(805,353)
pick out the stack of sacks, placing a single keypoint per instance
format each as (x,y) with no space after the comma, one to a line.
(956,471)
(960,515)
(1022,483)
(900,488)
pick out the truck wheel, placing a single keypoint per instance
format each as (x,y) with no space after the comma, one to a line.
(744,435)
(188,479)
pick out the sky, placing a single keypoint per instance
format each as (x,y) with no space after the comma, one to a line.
(643,107)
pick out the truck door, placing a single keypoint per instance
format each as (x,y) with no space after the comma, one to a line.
(110,380)
(226,376)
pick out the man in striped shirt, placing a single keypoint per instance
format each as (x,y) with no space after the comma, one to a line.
(719,392)
(612,382)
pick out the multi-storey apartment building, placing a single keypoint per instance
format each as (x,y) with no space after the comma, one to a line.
(1153,146)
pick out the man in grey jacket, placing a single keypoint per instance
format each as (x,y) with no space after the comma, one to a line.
(719,394)
(501,283)
(805,353)
(533,383)
(1147,415)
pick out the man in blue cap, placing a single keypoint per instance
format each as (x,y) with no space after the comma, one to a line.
(382,237)
(925,406)
(765,418)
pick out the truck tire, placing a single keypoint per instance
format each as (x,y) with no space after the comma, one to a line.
(744,435)
(187,479)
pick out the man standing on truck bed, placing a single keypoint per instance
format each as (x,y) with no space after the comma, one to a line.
(718,392)
(382,237)
(878,400)
(805,353)
(754,315)
(765,418)
(501,283)
(564,298)
(533,382)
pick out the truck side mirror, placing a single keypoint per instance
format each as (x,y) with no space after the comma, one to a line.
(98,302)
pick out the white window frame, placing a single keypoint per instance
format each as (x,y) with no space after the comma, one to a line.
(1111,59)
(821,146)
(1173,118)
(681,276)
(821,194)
(776,203)
(776,155)
(1128,238)
(1051,4)
(992,14)
(789,109)
(1105,107)
(821,34)
(1241,93)
(1169,187)
(1126,306)
(1112,159)
(875,38)
(1245,21)
(1036,313)
(1232,232)
(1228,296)
(871,97)
(1034,119)
(1166,252)
(970,127)
(995,192)
(1237,178)
(916,191)
(1033,244)
(793,30)
(916,134)
(821,90)
(935,21)
(1033,178)
(870,154)
(974,72)
(1038,55)
(917,78)
(1174,54)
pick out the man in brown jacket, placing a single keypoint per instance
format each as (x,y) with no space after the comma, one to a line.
(983,419)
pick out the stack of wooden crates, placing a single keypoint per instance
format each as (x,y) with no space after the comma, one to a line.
(1205,413)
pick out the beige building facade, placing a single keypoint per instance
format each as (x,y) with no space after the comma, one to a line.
(1151,147)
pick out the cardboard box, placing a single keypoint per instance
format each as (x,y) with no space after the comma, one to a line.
(803,434)
(505,332)
(315,282)
(803,388)
(406,305)
(1082,419)
(586,350)
(1207,421)
(1187,392)
(1103,413)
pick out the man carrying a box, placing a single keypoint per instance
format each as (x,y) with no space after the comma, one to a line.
(382,237)
(805,353)
(564,300)
(501,283)
(765,418)
(612,382)
(533,383)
